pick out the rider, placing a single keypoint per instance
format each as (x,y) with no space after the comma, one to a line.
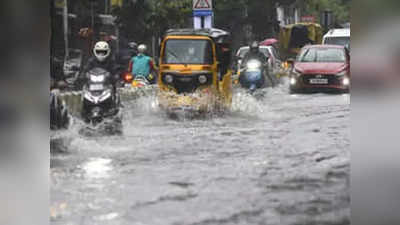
(142,65)
(254,53)
(102,58)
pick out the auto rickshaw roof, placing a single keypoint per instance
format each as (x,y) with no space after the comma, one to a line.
(289,26)
(214,33)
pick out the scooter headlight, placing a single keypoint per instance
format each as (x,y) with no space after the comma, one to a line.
(202,79)
(169,78)
(94,78)
(253,64)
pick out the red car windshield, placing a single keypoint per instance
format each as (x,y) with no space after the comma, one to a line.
(322,55)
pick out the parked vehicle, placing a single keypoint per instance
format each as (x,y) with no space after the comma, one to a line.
(321,68)
(337,37)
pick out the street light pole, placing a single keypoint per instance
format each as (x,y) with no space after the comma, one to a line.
(65,20)
(106,7)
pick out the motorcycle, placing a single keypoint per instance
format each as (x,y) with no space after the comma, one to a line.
(100,98)
(254,76)
(140,81)
(137,81)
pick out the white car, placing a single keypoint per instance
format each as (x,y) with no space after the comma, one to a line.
(274,61)
(337,37)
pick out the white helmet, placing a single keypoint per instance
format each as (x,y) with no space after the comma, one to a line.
(101,50)
(142,48)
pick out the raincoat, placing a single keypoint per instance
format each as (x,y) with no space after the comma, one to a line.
(141,65)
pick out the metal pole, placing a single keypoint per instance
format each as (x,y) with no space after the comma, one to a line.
(153,46)
(118,37)
(92,14)
(106,6)
(65,20)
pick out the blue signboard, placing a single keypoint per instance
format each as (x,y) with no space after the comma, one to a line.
(202,12)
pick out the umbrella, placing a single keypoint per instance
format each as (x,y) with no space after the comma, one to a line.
(269,41)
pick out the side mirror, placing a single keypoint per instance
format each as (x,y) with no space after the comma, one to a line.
(290,61)
(288,64)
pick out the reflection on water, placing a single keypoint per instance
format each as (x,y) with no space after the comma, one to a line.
(97,168)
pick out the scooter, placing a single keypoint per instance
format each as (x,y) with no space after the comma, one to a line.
(101,101)
(254,75)
(137,81)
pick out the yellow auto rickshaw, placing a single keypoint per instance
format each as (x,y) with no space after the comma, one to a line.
(295,36)
(194,70)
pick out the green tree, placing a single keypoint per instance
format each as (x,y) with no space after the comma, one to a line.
(133,19)
(339,8)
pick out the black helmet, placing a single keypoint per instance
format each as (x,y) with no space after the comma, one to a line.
(254,47)
(132,45)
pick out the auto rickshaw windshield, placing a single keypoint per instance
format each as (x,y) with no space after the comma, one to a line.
(180,51)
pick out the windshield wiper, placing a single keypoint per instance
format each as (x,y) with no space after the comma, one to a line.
(173,54)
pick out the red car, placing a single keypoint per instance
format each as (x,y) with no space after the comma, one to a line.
(321,68)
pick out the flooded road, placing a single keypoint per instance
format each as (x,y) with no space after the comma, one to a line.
(281,160)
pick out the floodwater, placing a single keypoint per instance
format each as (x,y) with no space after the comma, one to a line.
(283,159)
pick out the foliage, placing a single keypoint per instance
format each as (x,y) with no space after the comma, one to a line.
(339,8)
(169,14)
(139,20)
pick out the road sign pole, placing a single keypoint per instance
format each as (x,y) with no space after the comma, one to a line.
(65,21)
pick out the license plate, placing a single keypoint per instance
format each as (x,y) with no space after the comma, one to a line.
(185,79)
(96,87)
(318,81)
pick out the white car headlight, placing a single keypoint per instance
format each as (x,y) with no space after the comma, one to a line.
(253,64)
(346,81)
(94,78)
